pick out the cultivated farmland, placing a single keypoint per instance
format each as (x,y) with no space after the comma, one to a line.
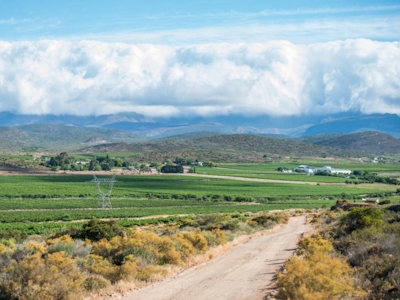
(48,203)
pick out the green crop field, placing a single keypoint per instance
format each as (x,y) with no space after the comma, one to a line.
(76,185)
(267,174)
(342,164)
(42,204)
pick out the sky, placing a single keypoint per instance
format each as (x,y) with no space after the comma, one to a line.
(201,58)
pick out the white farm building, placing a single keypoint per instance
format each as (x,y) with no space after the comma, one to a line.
(334,171)
(306,169)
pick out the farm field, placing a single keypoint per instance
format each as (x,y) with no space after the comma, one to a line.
(37,204)
(262,174)
(64,186)
(268,171)
(371,167)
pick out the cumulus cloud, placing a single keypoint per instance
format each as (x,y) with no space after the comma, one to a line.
(272,78)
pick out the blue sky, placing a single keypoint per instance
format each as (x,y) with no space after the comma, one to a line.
(182,22)
(200,58)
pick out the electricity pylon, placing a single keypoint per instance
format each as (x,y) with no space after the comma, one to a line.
(105,201)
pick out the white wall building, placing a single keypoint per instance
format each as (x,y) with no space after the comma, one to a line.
(329,169)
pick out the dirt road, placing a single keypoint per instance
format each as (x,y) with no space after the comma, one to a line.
(262,179)
(240,274)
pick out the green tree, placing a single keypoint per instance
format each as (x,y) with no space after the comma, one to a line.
(94,165)
(171,169)
(118,162)
(144,168)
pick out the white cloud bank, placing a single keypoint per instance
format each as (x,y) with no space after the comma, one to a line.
(273,78)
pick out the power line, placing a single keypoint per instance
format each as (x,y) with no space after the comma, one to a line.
(105,201)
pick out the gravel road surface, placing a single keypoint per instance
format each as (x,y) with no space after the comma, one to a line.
(242,273)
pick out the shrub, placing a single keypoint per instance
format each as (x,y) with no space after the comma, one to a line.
(96,264)
(198,241)
(64,243)
(385,202)
(264,220)
(220,237)
(215,237)
(146,274)
(95,283)
(169,255)
(182,245)
(244,198)
(210,237)
(35,276)
(210,222)
(96,230)
(316,275)
(359,218)
(231,225)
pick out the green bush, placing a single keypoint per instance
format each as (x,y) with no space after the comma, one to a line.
(96,230)
(359,218)
(265,220)
(385,202)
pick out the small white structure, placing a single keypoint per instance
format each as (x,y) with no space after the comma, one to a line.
(309,171)
(331,170)
(369,200)
(306,169)
(301,168)
(328,169)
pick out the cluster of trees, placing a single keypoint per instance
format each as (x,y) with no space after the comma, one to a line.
(105,163)
(65,162)
(172,169)
(368,177)
(189,162)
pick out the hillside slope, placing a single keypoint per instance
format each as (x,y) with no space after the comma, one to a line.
(387,123)
(56,137)
(228,148)
(370,142)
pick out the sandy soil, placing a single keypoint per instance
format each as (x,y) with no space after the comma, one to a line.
(243,273)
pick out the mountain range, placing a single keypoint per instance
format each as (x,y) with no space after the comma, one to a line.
(363,134)
(58,137)
(293,126)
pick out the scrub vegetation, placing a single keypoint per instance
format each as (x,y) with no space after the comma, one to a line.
(355,255)
(101,254)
